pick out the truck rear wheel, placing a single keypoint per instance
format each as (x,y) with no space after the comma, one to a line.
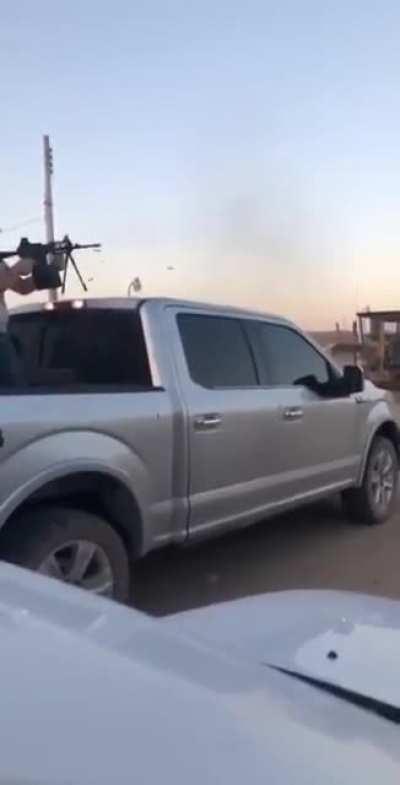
(73,546)
(374,502)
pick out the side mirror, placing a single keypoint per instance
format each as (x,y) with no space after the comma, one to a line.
(353,379)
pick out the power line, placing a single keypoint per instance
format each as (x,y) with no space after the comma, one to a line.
(20,225)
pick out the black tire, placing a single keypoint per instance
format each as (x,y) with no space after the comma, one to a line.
(38,532)
(361,503)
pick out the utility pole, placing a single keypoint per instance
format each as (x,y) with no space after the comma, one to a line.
(48,200)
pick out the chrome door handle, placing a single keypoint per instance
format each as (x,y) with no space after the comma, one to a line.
(360,399)
(293,413)
(207,422)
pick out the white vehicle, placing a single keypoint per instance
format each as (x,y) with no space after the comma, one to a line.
(295,688)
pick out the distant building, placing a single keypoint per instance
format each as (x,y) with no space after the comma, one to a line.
(343,345)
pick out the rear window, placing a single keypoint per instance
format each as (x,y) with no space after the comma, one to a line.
(75,348)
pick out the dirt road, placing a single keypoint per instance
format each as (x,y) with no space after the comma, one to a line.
(311,548)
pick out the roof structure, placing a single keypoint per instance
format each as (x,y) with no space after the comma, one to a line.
(386,316)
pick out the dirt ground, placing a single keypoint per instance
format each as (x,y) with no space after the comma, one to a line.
(315,547)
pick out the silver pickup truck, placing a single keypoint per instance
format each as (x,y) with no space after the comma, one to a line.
(143,423)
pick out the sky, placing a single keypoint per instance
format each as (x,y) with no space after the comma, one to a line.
(253,147)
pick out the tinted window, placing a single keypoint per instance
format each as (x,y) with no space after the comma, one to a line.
(81,347)
(285,357)
(217,351)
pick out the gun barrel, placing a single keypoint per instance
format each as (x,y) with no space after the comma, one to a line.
(64,246)
(79,246)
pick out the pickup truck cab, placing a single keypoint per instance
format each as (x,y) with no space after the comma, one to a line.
(142,423)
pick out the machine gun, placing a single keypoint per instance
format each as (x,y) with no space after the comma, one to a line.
(47,274)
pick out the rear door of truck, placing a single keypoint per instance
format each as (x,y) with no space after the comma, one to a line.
(232,425)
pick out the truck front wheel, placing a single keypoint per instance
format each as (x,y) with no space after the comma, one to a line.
(374,502)
(71,545)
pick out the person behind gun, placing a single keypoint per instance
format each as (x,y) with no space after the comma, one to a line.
(22,277)
(18,278)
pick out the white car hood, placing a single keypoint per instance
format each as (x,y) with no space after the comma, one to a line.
(92,692)
(351,641)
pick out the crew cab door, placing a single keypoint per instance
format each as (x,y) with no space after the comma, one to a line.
(231,422)
(319,436)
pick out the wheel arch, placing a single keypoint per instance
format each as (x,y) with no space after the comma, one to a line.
(95,491)
(389,430)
